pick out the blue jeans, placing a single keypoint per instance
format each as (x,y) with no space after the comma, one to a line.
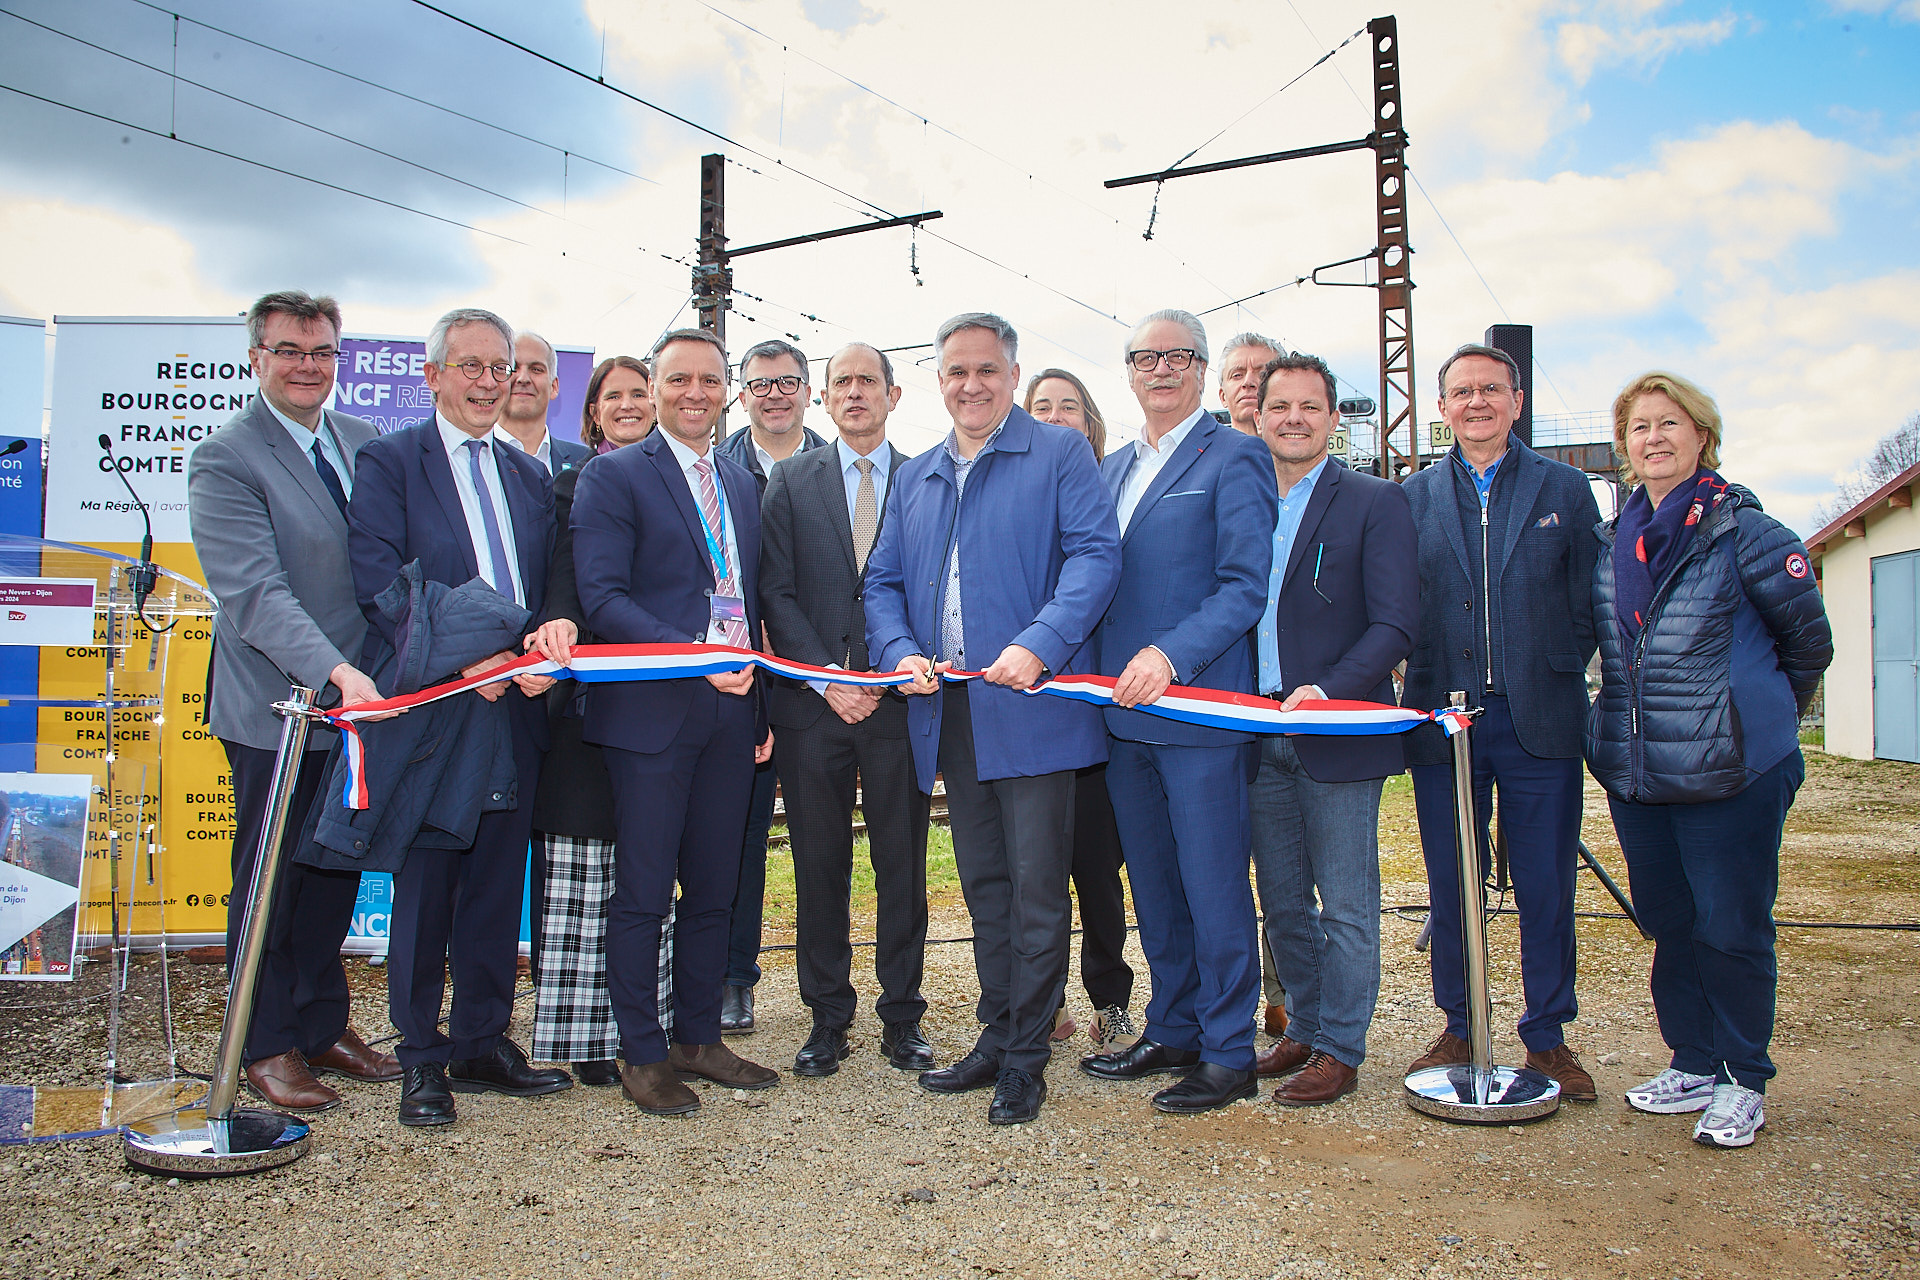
(1540,802)
(1316,860)
(743,921)
(1704,877)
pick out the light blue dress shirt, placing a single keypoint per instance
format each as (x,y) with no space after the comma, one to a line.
(1147,465)
(1292,507)
(455,441)
(336,457)
(882,461)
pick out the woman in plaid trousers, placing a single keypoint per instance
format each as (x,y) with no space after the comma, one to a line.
(573,809)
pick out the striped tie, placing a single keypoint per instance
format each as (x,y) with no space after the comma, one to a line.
(724,583)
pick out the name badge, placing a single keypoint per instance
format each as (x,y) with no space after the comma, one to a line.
(729,609)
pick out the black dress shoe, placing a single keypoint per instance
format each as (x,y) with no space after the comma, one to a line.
(975,1071)
(1017,1096)
(599,1072)
(1208,1087)
(505,1070)
(424,1096)
(905,1047)
(1143,1057)
(823,1053)
(736,1010)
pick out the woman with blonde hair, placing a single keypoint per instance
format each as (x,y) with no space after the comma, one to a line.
(1712,639)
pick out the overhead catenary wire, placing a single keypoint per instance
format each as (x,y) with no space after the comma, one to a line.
(400,93)
(778,163)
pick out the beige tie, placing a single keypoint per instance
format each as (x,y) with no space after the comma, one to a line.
(866,514)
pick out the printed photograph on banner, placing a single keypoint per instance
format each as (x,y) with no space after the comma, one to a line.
(43,824)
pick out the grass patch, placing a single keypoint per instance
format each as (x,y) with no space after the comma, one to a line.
(943,878)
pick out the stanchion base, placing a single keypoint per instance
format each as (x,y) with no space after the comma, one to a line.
(255,1141)
(1499,1095)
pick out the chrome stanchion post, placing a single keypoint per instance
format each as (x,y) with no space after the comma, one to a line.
(242,1139)
(1477,1091)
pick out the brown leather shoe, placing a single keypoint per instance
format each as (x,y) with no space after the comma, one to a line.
(1322,1080)
(1563,1065)
(1447,1050)
(1276,1021)
(721,1065)
(654,1089)
(286,1082)
(351,1056)
(1282,1058)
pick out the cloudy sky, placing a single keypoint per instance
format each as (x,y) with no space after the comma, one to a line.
(1729,191)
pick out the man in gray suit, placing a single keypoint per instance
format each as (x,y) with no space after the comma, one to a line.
(818,521)
(267,497)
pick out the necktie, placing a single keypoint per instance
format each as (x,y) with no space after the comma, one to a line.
(330,478)
(502,576)
(866,514)
(735,629)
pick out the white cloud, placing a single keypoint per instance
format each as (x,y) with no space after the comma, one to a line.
(1586,46)
(1906,9)
(70,259)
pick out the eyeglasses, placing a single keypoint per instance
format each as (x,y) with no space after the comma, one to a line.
(472,369)
(1177,359)
(1491,391)
(761,388)
(293,357)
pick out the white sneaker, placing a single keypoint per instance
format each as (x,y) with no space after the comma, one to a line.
(1735,1115)
(1672,1092)
(1112,1028)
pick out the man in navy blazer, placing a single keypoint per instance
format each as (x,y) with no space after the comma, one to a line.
(1343,604)
(666,550)
(1506,594)
(1196,502)
(523,417)
(445,493)
(999,552)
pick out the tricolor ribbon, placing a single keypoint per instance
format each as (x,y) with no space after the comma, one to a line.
(602,663)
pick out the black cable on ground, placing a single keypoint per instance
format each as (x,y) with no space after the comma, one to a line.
(1422,909)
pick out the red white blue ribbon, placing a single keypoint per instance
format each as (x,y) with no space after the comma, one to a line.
(605,663)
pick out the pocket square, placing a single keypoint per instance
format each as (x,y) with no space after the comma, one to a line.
(1547,521)
(1186,493)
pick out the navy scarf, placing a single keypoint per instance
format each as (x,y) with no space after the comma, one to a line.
(1648,542)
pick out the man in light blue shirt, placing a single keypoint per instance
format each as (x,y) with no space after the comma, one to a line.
(822,512)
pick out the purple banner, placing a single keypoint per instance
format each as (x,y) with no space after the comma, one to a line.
(384,381)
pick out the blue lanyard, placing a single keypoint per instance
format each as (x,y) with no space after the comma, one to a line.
(716,547)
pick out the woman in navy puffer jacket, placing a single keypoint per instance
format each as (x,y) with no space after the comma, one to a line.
(1712,640)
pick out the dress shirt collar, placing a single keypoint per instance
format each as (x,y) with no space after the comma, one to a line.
(1303,487)
(683,453)
(303,435)
(952,444)
(1171,440)
(882,458)
(453,437)
(543,453)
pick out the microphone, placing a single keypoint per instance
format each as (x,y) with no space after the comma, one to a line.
(140,577)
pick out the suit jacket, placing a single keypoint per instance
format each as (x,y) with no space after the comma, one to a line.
(1193,573)
(405,508)
(810,593)
(1542,552)
(566,455)
(273,548)
(1039,557)
(645,577)
(738,449)
(1349,632)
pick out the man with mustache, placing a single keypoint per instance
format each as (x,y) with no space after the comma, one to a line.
(1196,501)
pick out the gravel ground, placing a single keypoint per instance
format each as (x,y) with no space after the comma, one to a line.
(864,1175)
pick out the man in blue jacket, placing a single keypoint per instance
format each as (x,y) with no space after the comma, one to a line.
(999,552)
(1196,505)
(1506,607)
(1341,612)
